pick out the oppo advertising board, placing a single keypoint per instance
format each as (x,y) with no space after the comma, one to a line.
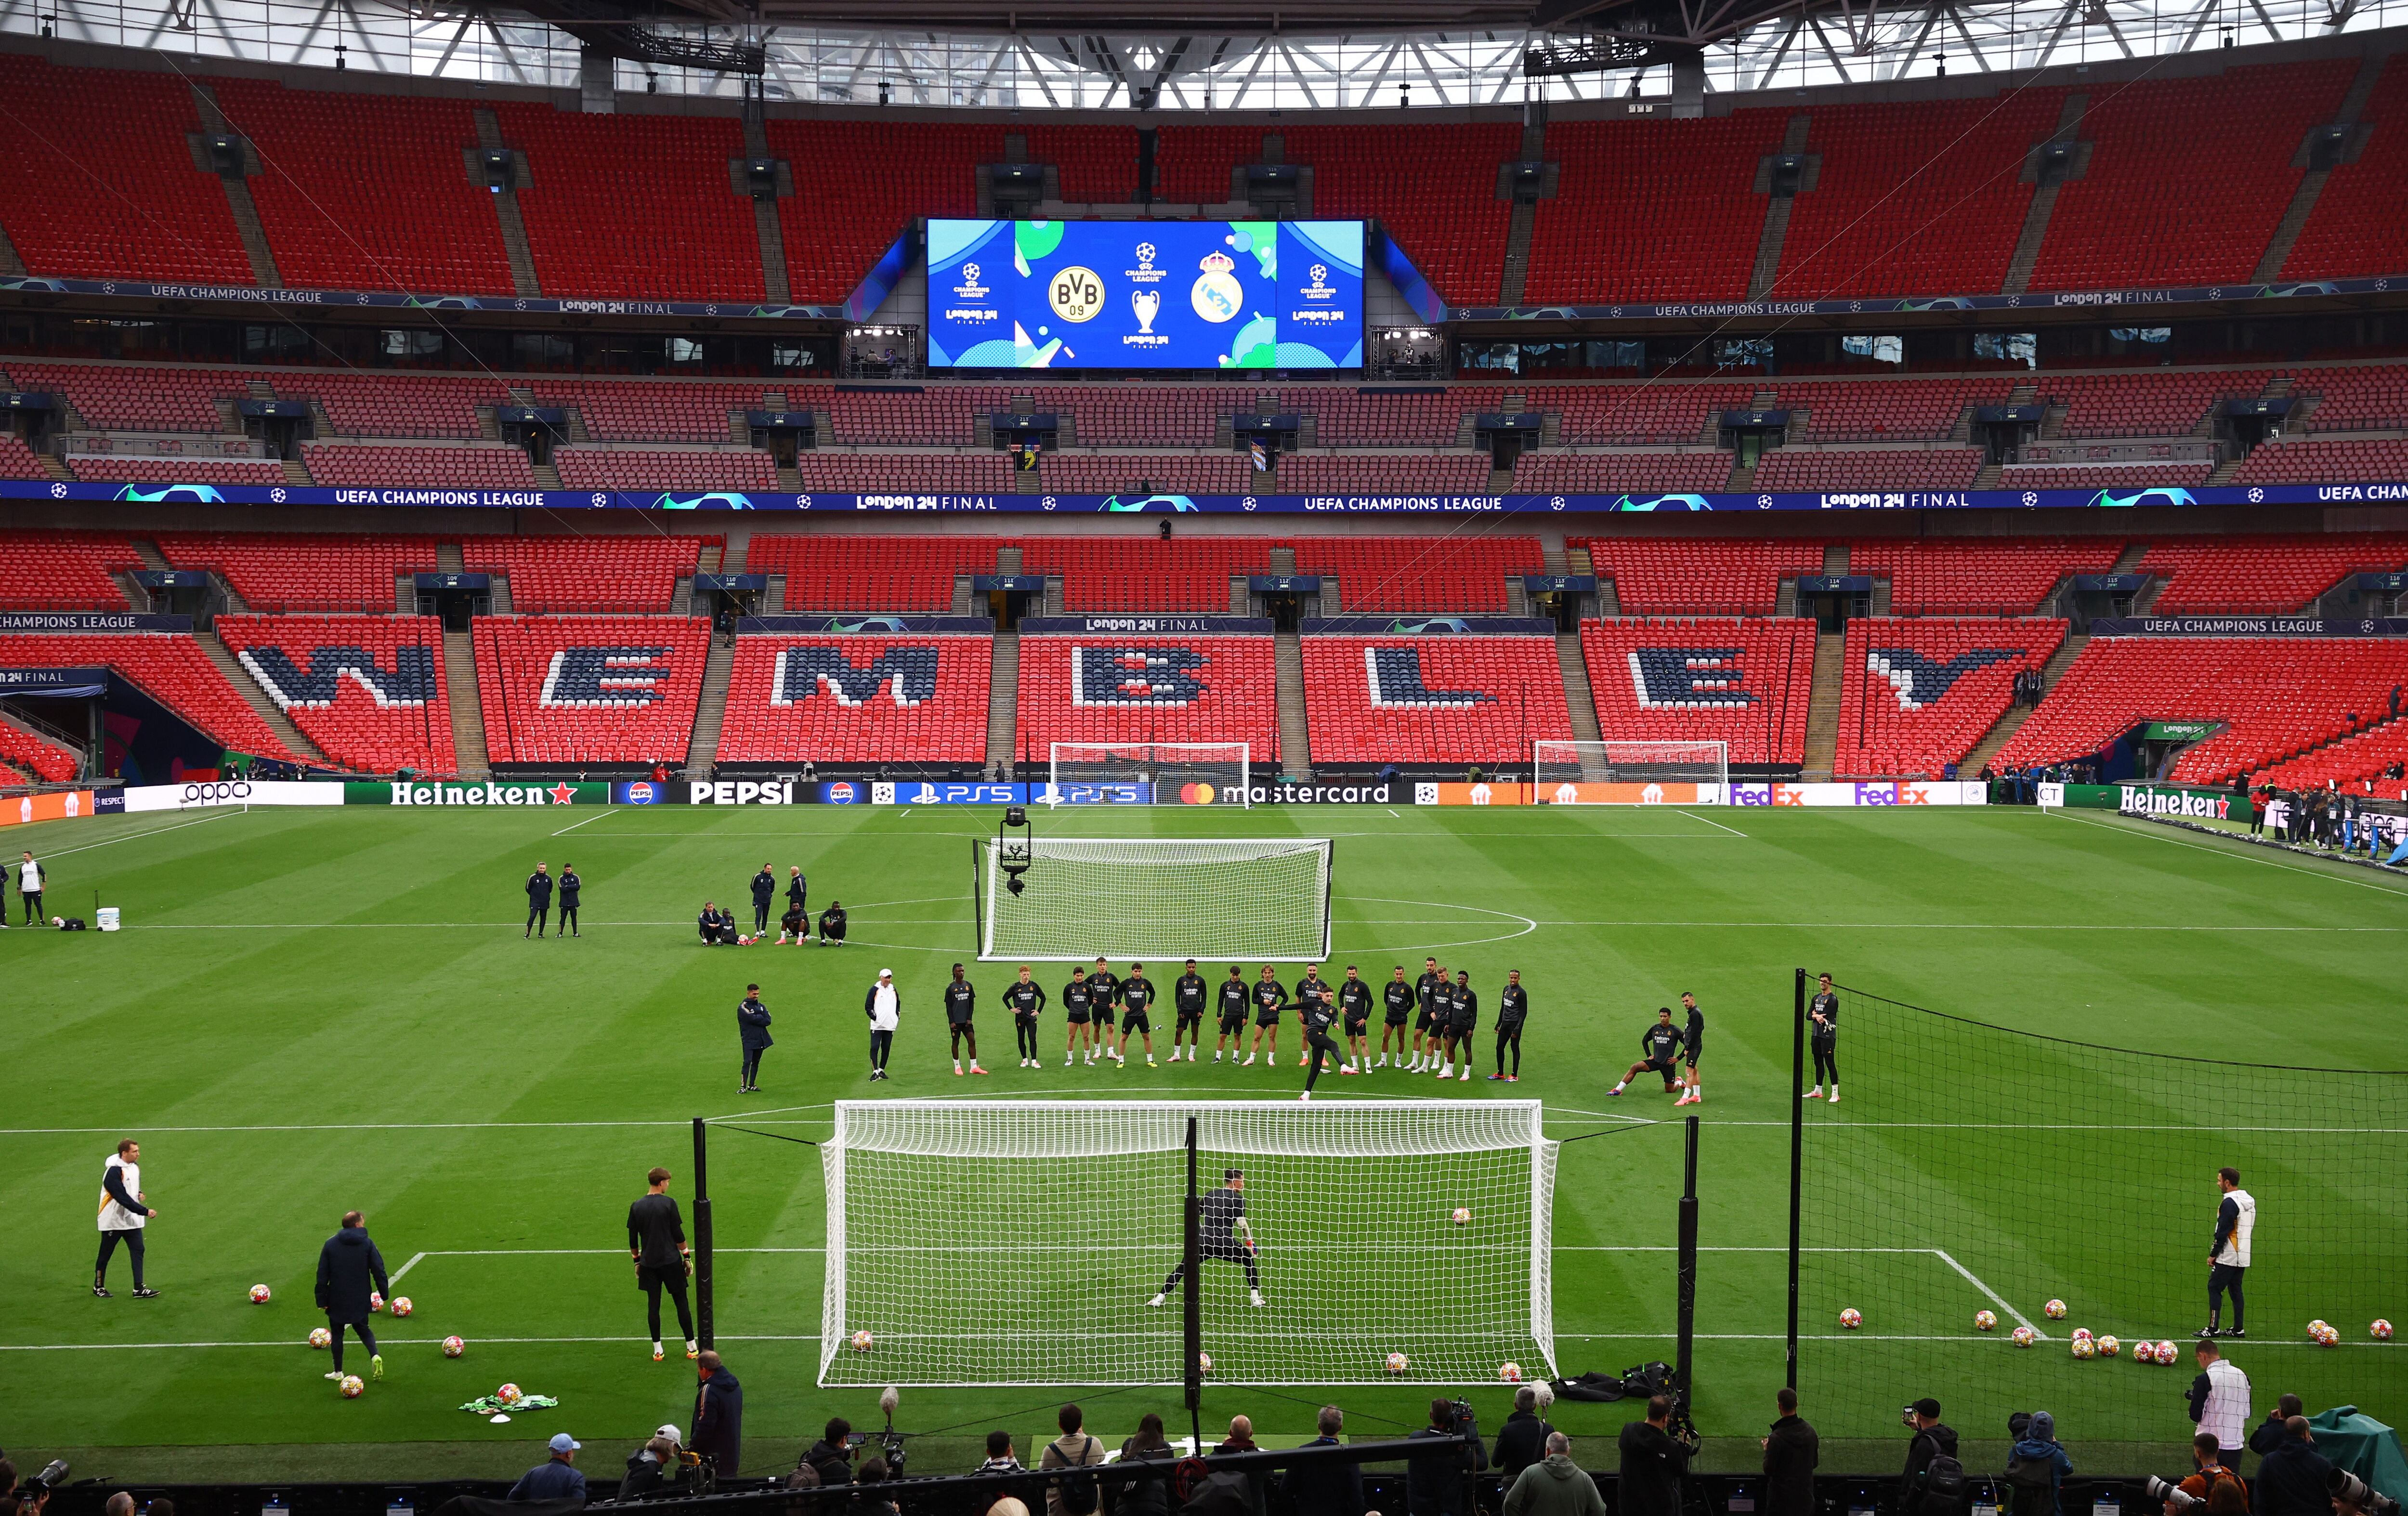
(1145,294)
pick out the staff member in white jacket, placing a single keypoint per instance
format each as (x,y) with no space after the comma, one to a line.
(2228,1253)
(885,1008)
(123,1212)
(29,887)
(2219,1400)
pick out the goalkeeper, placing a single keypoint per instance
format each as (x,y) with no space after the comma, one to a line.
(1223,1232)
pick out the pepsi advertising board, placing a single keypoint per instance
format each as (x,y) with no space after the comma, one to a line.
(1145,294)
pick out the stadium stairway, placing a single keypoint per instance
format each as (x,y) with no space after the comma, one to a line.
(2312,183)
(1579,694)
(1823,707)
(243,684)
(506,209)
(467,705)
(718,671)
(239,204)
(2050,673)
(1003,696)
(1296,733)
(2043,200)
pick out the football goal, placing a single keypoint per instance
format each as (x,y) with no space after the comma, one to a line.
(1158,900)
(1626,773)
(1022,1243)
(1170,773)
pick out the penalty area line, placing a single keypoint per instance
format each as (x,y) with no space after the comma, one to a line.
(587,821)
(1994,1298)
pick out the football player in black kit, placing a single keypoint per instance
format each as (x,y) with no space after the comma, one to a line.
(1137,994)
(1104,991)
(657,1241)
(1310,988)
(961,999)
(1026,997)
(1235,998)
(1188,995)
(1823,1036)
(1462,1020)
(1513,1006)
(1223,1233)
(1355,1005)
(1426,991)
(1660,1044)
(1316,1009)
(1270,1000)
(1693,1042)
(1398,997)
(1078,1010)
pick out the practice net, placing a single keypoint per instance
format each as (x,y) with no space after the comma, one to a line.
(995,1243)
(1622,772)
(1172,773)
(1157,900)
(1970,1167)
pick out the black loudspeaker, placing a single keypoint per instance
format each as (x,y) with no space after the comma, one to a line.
(499,172)
(761,177)
(225,154)
(2325,145)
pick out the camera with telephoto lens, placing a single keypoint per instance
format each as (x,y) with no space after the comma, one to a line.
(2172,1494)
(891,1448)
(53,1474)
(2340,1484)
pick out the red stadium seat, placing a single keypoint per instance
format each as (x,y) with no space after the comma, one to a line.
(1433,700)
(614,573)
(1145,573)
(1664,576)
(588,690)
(304,571)
(63,570)
(869,573)
(1464,572)
(1974,575)
(395,712)
(169,666)
(1747,683)
(1147,689)
(837,700)
(1917,695)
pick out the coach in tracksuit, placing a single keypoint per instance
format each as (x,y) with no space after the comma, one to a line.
(764,892)
(752,1029)
(883,1006)
(124,1210)
(538,887)
(351,1274)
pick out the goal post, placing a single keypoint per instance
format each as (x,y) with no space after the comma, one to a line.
(1154,899)
(1170,771)
(974,1244)
(1630,773)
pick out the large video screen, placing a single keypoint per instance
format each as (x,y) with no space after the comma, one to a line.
(1145,294)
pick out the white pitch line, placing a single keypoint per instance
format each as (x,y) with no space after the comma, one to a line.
(2244,851)
(414,1260)
(1996,1299)
(587,821)
(136,837)
(1711,821)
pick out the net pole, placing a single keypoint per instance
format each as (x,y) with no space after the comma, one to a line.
(1192,1301)
(702,1318)
(1796,1155)
(1689,1267)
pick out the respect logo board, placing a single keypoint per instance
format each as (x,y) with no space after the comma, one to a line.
(1145,294)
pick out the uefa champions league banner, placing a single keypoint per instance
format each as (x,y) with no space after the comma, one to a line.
(905,503)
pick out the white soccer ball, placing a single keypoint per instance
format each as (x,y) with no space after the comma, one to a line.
(2167,1351)
(2380,1331)
(1985,1321)
(350,1387)
(454,1346)
(1398,1363)
(1462,1216)
(1851,1318)
(863,1341)
(375,1301)
(2329,1337)
(2025,1336)
(2317,1326)
(321,1337)
(2109,1347)
(259,1295)
(2053,1310)
(1509,1373)
(509,1395)
(401,1305)
(2082,1332)
(2083,1347)
(1204,1362)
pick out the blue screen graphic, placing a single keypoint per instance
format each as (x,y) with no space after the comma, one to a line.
(1145,294)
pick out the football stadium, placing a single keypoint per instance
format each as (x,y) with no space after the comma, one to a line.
(548,550)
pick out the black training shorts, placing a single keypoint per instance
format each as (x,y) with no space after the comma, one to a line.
(1137,1020)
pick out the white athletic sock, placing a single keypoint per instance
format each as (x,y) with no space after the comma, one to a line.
(1617,1089)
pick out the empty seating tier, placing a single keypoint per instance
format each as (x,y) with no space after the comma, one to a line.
(1433,700)
(1132,416)
(63,570)
(1145,573)
(1746,683)
(2263,576)
(1464,572)
(2369,398)
(1662,576)
(35,757)
(397,405)
(169,667)
(2363,763)
(130,397)
(1917,695)
(1622,229)
(1434,186)
(864,700)
(18,460)
(906,473)
(2120,478)
(633,574)
(1138,473)
(116,469)
(1147,689)
(2170,402)
(1976,576)
(670,411)
(589,690)
(933,418)
(2348,462)
(1373,473)
(1869,468)
(367,690)
(635,206)
(664,468)
(1347,418)
(1618,473)
(475,465)
(2276,697)
(1883,410)
(869,573)
(1671,413)
(2359,226)
(304,571)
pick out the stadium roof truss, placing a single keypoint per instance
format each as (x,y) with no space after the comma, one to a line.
(1106,54)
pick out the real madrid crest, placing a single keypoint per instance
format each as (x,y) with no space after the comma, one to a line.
(1217,294)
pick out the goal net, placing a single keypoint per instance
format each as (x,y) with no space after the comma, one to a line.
(1625,773)
(1156,900)
(993,1243)
(1172,773)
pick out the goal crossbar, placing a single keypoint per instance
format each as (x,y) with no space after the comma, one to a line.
(1628,772)
(1168,773)
(1158,899)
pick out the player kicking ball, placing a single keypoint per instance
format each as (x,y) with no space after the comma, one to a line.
(1659,1045)
(1222,1232)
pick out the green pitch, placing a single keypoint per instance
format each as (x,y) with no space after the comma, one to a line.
(317,1010)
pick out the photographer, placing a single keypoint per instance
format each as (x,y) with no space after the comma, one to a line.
(1653,1463)
(1434,1480)
(831,1456)
(2213,1486)
(1923,1491)
(2291,1480)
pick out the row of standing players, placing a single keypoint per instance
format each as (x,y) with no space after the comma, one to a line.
(1433,1018)
(718,927)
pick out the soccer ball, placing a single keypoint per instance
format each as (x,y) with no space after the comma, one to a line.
(401,1305)
(862,1340)
(350,1387)
(1851,1318)
(2109,1347)
(454,1346)
(1462,1216)
(2167,1351)
(2025,1336)
(259,1295)
(1204,1363)
(375,1301)
(509,1395)
(1509,1373)
(2329,1337)
(2053,1310)
(2316,1327)
(1985,1321)
(321,1337)
(2380,1331)
(2084,1347)
(1397,1363)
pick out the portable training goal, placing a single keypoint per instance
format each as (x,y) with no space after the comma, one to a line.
(1626,773)
(1155,899)
(1170,773)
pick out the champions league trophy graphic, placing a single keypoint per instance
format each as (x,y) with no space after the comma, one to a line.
(1146,303)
